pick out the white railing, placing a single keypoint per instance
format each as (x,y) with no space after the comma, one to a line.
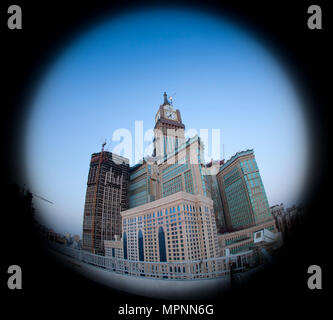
(208,268)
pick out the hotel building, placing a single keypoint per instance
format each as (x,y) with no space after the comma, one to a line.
(242,191)
(179,227)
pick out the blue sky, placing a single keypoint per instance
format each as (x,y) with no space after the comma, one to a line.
(116,73)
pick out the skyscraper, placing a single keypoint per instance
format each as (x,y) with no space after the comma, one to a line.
(178,168)
(169,129)
(211,169)
(243,194)
(106,196)
(183,170)
(176,220)
(143,184)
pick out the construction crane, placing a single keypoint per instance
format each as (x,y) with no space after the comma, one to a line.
(24,190)
(39,197)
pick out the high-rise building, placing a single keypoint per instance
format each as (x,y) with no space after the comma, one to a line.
(178,168)
(106,197)
(168,131)
(243,194)
(183,170)
(143,184)
(211,169)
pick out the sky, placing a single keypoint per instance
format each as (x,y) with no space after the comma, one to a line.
(220,76)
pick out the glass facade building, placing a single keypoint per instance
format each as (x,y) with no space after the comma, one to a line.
(211,169)
(143,184)
(242,191)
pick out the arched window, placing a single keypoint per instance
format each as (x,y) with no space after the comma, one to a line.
(141,250)
(125,245)
(161,243)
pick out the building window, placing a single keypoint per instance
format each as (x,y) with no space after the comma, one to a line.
(141,252)
(161,242)
(125,245)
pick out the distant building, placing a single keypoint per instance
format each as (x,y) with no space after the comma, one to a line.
(278,212)
(242,240)
(106,197)
(243,195)
(295,217)
(69,239)
(76,242)
(289,220)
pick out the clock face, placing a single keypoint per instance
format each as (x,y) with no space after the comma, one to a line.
(170,115)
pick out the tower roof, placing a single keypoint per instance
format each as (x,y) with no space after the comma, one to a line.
(165,99)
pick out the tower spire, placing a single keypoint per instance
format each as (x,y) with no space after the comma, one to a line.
(165,98)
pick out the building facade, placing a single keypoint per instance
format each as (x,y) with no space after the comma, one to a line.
(243,194)
(211,170)
(183,170)
(106,197)
(114,248)
(144,184)
(179,227)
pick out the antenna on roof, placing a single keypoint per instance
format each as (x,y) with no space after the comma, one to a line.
(171,99)
(103,145)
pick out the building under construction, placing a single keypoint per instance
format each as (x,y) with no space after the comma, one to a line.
(107,195)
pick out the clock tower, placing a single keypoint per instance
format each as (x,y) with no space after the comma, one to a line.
(169,129)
